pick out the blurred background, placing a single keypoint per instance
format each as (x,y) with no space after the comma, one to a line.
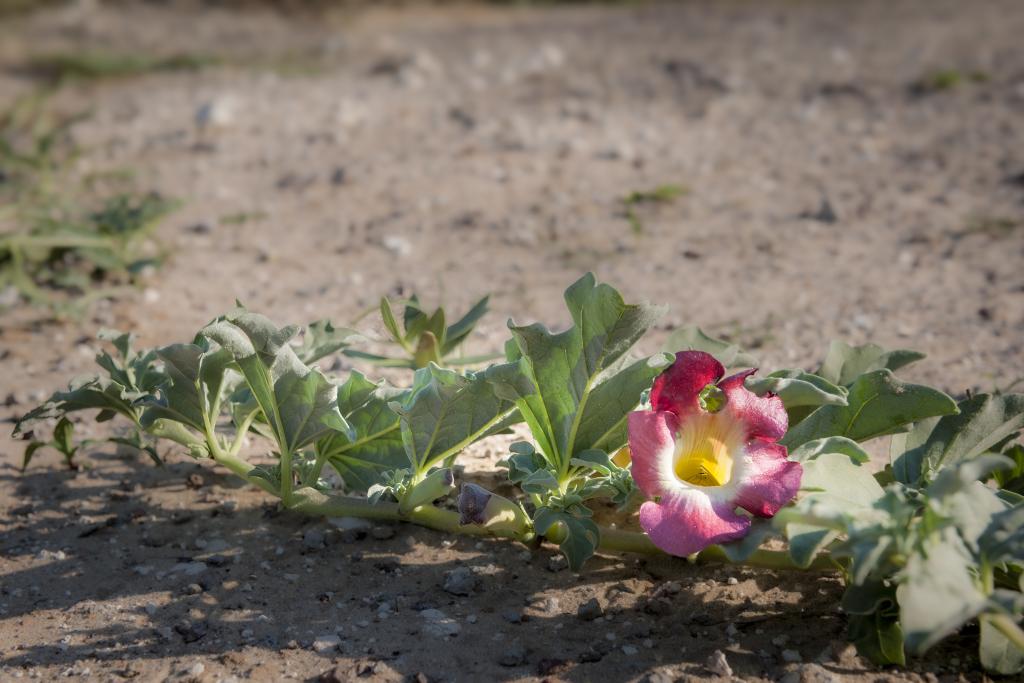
(780,173)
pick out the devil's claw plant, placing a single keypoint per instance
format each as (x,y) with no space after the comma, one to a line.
(426,337)
(763,469)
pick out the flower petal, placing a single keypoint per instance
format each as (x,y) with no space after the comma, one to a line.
(765,479)
(688,520)
(765,416)
(678,388)
(652,445)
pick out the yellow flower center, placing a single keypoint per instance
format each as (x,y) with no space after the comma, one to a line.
(705,448)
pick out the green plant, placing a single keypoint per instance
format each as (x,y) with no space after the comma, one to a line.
(426,337)
(59,247)
(933,540)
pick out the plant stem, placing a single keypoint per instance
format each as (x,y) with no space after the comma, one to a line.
(314,503)
(242,468)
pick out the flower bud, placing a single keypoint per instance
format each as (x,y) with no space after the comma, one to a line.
(479,506)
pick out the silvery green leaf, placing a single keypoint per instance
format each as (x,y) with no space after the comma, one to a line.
(982,425)
(1003,538)
(692,338)
(539,481)
(322,339)
(797,389)
(246,334)
(832,444)
(460,329)
(99,393)
(997,652)
(760,531)
(579,536)
(374,444)
(937,592)
(554,380)
(878,404)
(192,393)
(844,363)
(837,476)
(444,412)
(594,459)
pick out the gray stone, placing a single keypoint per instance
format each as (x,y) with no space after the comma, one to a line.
(460,581)
(590,610)
(514,655)
(557,563)
(327,642)
(512,616)
(439,624)
(313,539)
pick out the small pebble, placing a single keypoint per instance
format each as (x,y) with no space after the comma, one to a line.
(718,665)
(590,610)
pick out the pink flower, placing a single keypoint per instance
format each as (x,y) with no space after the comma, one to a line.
(708,446)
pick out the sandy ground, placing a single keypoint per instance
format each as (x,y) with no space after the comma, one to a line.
(465,150)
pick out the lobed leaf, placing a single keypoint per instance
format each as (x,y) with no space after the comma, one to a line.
(444,412)
(798,389)
(983,423)
(833,444)
(579,536)
(844,363)
(374,445)
(558,375)
(878,404)
(692,338)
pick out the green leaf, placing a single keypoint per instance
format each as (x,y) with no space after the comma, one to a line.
(1012,478)
(844,363)
(1003,538)
(595,460)
(246,334)
(559,375)
(428,350)
(444,412)
(298,403)
(983,423)
(998,653)
(760,531)
(937,593)
(692,338)
(460,329)
(99,393)
(30,451)
(539,482)
(390,324)
(192,394)
(878,404)
(374,445)
(63,439)
(577,536)
(797,388)
(300,409)
(602,421)
(836,475)
(835,489)
(322,339)
(832,444)
(878,637)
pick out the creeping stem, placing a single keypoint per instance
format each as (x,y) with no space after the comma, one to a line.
(312,502)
